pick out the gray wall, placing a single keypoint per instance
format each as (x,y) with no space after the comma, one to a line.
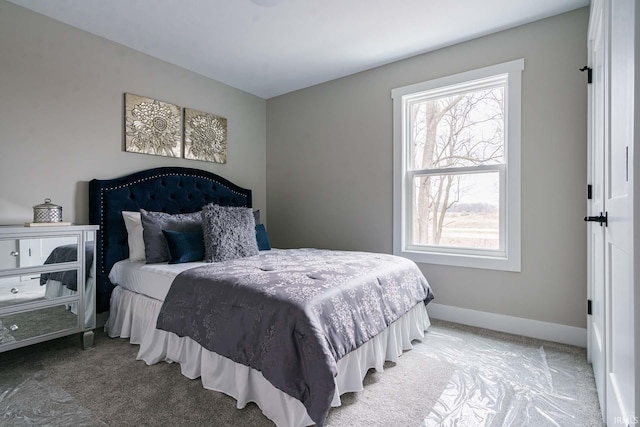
(329,168)
(61,115)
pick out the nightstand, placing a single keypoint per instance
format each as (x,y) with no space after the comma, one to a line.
(47,285)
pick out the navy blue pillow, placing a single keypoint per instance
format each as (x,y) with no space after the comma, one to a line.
(155,246)
(262,238)
(184,246)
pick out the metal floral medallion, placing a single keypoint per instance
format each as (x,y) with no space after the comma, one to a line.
(152,126)
(205,136)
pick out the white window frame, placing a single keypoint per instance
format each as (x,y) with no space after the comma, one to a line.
(507,260)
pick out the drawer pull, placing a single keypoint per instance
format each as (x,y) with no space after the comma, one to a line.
(15,290)
(14,253)
(13,328)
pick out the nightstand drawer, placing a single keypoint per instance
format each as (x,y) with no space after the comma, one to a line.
(18,290)
(33,251)
(24,325)
(37,287)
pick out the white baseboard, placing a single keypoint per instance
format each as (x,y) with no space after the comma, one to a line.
(513,325)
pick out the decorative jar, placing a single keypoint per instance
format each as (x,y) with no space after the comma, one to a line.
(47,212)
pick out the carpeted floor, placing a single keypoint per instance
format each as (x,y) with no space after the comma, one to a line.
(459,376)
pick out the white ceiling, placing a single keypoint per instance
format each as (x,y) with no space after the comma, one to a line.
(268,51)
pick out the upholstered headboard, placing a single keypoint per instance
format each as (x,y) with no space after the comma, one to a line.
(167,189)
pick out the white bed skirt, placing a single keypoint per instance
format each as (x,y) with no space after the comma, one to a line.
(134,316)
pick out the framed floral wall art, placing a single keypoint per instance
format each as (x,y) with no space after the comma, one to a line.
(205,136)
(152,126)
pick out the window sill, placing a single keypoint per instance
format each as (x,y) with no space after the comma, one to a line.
(463,260)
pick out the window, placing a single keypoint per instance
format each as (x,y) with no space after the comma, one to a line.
(457,169)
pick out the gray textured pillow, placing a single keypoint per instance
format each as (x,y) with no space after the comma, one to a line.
(155,244)
(229,233)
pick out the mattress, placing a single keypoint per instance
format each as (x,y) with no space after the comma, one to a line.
(151,280)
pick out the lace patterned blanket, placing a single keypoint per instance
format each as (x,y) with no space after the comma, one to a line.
(291,314)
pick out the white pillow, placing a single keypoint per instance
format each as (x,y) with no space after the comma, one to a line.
(134,235)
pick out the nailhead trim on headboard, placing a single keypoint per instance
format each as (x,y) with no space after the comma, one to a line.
(213,187)
(129,184)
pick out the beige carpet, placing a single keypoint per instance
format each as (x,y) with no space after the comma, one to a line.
(58,384)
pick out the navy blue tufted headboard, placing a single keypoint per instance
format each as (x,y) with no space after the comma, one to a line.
(167,189)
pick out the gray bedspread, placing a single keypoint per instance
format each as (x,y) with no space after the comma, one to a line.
(291,314)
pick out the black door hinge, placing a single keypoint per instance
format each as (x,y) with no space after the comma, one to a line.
(589,73)
(589,192)
(589,307)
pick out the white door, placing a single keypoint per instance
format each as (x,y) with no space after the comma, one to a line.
(611,326)
(597,127)
(618,280)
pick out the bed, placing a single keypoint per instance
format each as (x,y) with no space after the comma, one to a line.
(146,302)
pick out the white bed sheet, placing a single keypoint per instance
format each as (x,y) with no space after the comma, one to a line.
(136,303)
(152,280)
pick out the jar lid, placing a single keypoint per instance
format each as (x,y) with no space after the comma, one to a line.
(47,205)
